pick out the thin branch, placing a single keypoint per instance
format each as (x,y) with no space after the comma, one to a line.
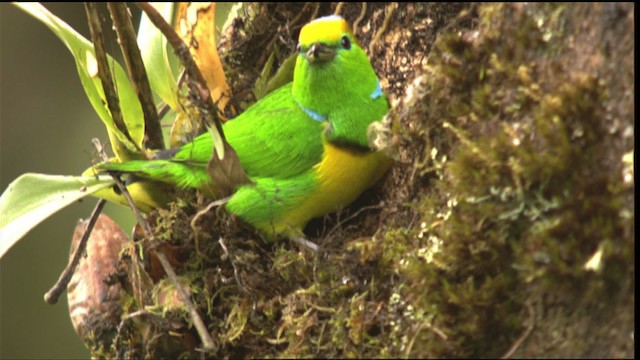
(363,12)
(236,273)
(52,296)
(135,67)
(207,341)
(225,169)
(358,212)
(124,321)
(389,10)
(524,335)
(196,229)
(104,72)
(295,20)
(315,11)
(197,84)
(204,211)
(123,189)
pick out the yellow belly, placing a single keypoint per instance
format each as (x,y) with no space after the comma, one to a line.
(342,176)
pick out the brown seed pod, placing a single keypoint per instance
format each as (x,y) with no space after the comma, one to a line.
(94,300)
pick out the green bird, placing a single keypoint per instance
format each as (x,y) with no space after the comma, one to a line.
(304,146)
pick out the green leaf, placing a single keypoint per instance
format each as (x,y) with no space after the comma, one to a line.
(84,55)
(260,87)
(157,60)
(31,198)
(267,83)
(284,75)
(228,12)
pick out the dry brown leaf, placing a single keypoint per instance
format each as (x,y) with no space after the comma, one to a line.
(195,23)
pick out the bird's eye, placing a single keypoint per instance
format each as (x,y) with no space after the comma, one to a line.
(345,42)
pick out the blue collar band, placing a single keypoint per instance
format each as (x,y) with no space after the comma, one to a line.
(377,92)
(314,115)
(320,118)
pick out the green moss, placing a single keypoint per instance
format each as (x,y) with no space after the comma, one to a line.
(526,198)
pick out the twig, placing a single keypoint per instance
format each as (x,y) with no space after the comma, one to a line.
(195,228)
(236,274)
(385,25)
(123,189)
(364,208)
(125,320)
(135,67)
(524,335)
(197,84)
(52,296)
(295,20)
(207,341)
(232,171)
(338,9)
(466,141)
(422,325)
(104,72)
(439,332)
(200,213)
(164,109)
(315,11)
(363,12)
(137,279)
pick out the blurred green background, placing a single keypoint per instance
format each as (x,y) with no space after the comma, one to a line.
(46,124)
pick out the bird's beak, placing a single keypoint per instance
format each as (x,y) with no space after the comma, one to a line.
(319,52)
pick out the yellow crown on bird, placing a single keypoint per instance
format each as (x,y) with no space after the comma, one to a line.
(327,29)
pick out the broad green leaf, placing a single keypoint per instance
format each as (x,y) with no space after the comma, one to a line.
(31,198)
(228,12)
(153,46)
(84,55)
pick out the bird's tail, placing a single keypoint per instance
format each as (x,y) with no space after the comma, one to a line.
(147,195)
(182,174)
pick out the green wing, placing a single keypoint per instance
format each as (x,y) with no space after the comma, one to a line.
(274,138)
